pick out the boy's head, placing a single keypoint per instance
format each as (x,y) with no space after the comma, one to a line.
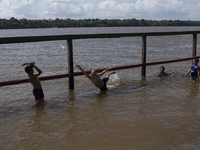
(93,72)
(162,69)
(29,69)
(195,61)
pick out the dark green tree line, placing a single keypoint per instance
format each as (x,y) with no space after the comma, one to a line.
(14,23)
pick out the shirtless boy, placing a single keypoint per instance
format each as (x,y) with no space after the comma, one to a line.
(162,72)
(95,78)
(37,88)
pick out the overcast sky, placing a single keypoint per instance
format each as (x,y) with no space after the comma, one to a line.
(102,9)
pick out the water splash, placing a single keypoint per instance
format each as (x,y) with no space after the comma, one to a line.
(113,81)
(61,46)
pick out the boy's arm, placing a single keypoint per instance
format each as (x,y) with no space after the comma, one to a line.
(104,71)
(187,73)
(87,75)
(28,63)
(173,75)
(198,75)
(38,70)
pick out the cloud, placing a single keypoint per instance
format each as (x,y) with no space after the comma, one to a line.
(114,9)
(160,9)
(193,12)
(18,9)
(62,9)
(146,9)
(89,9)
(103,9)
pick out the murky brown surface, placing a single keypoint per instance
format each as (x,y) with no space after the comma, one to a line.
(152,113)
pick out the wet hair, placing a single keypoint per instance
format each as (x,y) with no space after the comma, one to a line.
(162,67)
(28,69)
(94,71)
(196,60)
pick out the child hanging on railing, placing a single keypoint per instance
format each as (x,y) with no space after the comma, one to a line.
(95,78)
(37,88)
(194,70)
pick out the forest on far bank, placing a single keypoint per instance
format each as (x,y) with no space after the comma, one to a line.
(14,23)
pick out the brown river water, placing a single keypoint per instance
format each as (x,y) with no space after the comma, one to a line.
(137,113)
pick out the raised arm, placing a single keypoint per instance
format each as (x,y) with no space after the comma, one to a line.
(104,71)
(36,68)
(187,73)
(87,75)
(28,63)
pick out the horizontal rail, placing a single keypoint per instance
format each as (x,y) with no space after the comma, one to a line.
(13,82)
(6,40)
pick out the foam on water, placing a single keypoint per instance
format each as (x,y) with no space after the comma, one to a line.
(61,46)
(114,81)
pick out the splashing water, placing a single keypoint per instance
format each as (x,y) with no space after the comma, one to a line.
(61,46)
(113,81)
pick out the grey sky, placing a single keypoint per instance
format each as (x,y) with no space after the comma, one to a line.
(102,9)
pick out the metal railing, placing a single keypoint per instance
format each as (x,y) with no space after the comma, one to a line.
(70,38)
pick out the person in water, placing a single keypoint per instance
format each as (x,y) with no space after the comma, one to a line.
(162,72)
(37,88)
(95,77)
(194,70)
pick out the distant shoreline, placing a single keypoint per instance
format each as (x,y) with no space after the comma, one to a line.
(14,23)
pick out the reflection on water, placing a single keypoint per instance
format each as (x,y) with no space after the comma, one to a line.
(135,113)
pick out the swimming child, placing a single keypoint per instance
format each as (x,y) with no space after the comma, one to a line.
(162,72)
(95,77)
(37,88)
(194,70)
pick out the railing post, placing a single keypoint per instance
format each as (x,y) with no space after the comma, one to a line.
(70,63)
(194,52)
(143,55)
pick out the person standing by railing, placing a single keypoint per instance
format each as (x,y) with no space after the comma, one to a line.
(37,87)
(194,70)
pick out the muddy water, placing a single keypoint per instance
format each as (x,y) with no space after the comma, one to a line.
(135,113)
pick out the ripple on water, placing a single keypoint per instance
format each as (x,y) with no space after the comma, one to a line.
(135,113)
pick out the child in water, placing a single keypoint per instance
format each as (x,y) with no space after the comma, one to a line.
(163,73)
(95,78)
(37,88)
(194,70)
